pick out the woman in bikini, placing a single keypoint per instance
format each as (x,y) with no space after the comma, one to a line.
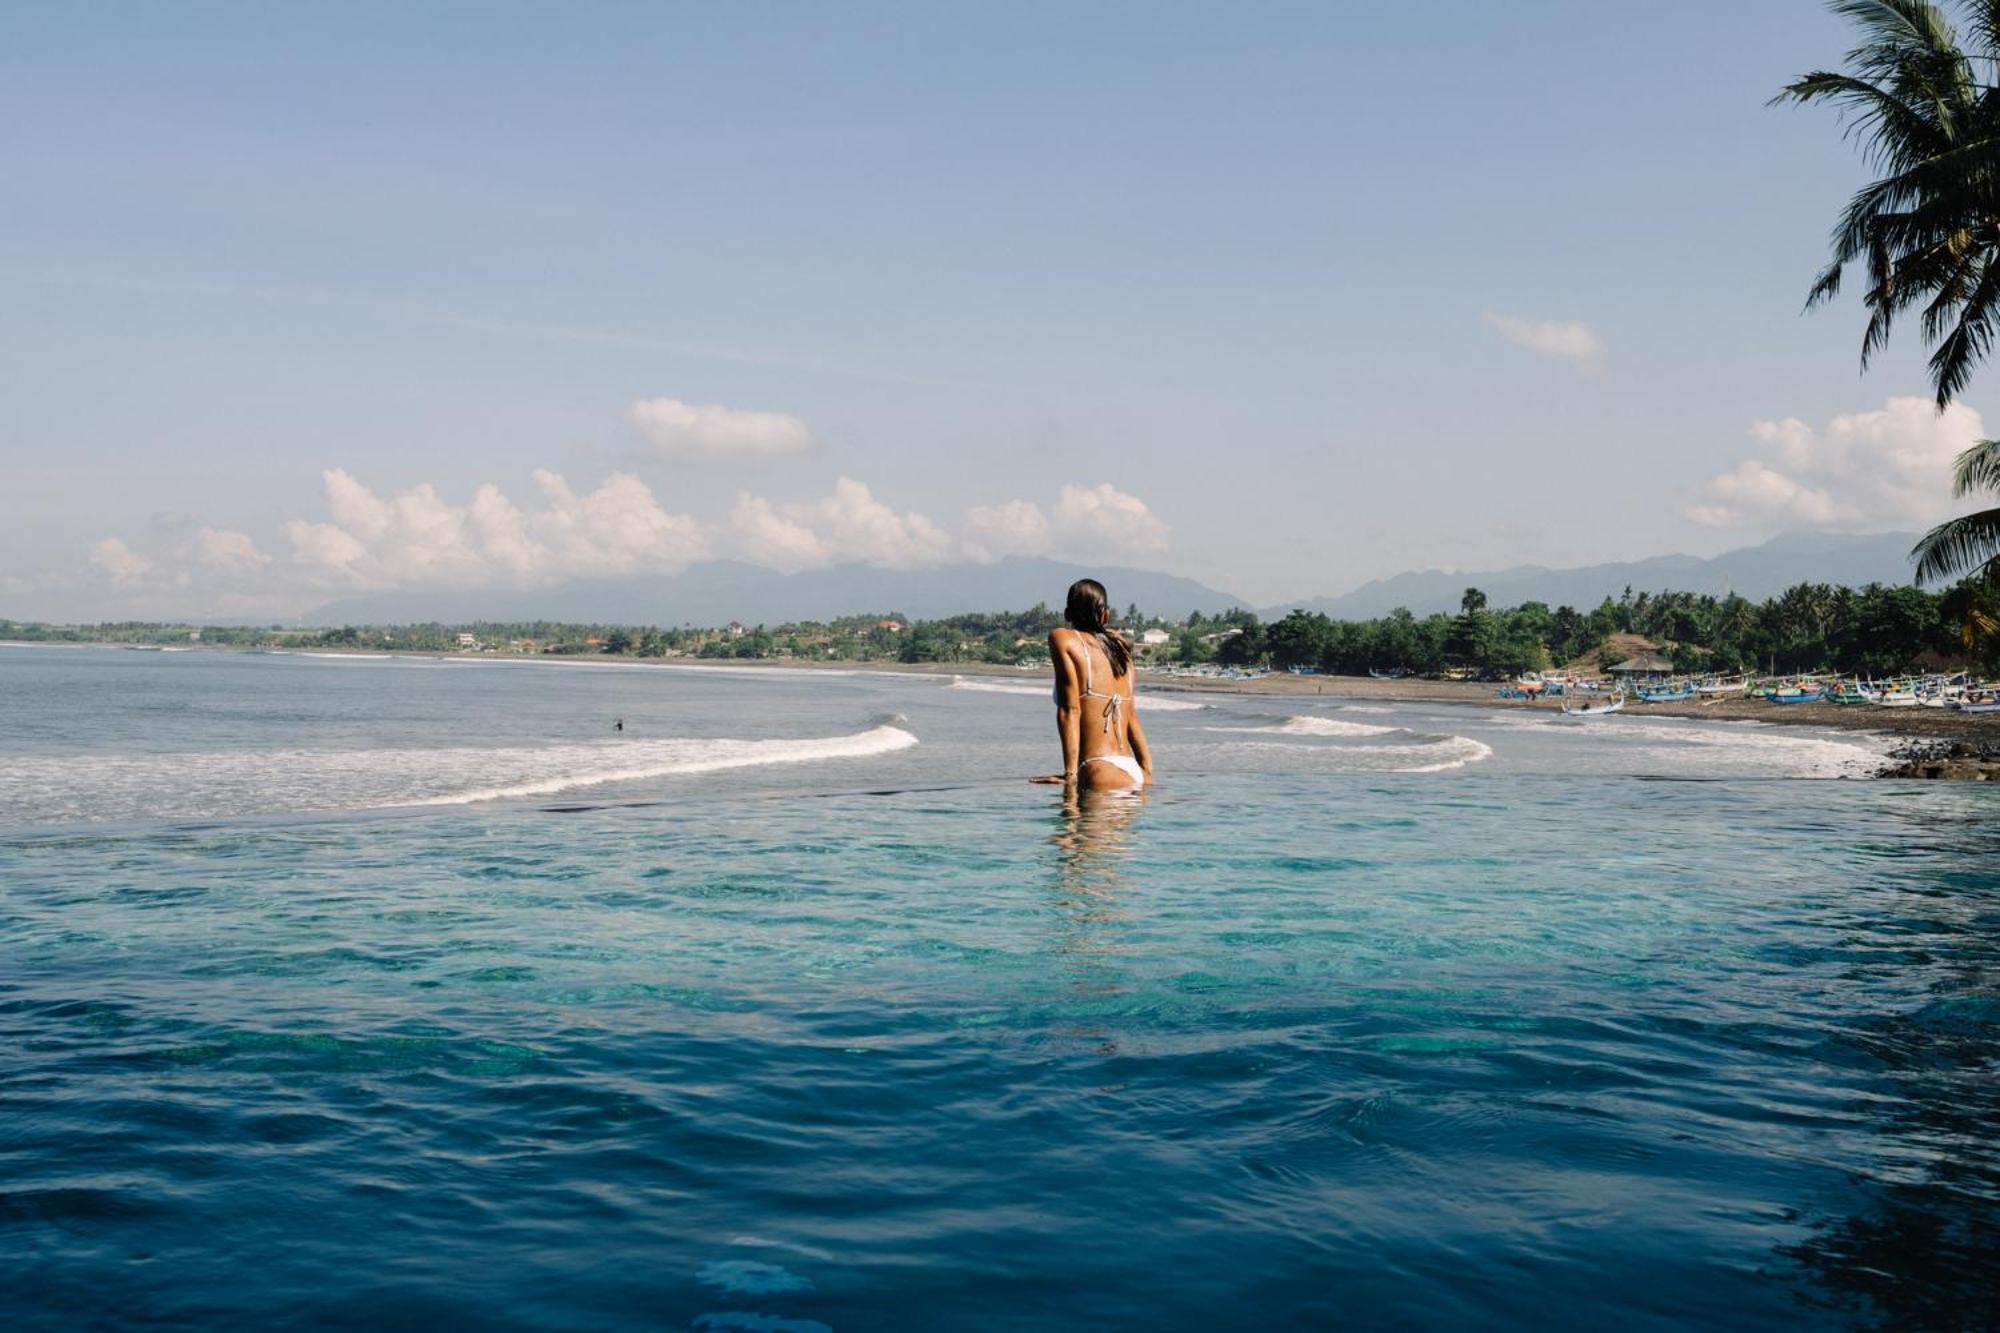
(1103,746)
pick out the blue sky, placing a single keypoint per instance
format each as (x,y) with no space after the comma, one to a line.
(1282,297)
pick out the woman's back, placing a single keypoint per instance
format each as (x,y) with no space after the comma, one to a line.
(1103,744)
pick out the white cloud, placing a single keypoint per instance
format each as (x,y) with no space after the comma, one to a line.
(1017,527)
(1102,521)
(1714,516)
(219,548)
(1570,340)
(773,540)
(850,525)
(686,429)
(417,537)
(1887,467)
(115,558)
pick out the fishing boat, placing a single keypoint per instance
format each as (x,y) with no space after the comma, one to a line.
(1612,705)
(1665,694)
(1897,699)
(1854,692)
(1393,673)
(1796,696)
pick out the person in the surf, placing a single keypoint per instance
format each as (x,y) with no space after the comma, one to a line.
(1097,721)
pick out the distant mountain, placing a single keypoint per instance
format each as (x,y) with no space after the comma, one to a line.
(714,594)
(1755,572)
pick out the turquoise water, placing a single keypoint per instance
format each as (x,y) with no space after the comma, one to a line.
(1322,1033)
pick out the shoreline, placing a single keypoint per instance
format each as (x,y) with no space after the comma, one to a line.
(1959,738)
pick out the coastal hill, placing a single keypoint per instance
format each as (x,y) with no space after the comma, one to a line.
(714,594)
(1755,572)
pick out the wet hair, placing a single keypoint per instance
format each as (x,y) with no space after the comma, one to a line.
(1088,611)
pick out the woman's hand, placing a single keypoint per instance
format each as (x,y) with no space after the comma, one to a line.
(1054,780)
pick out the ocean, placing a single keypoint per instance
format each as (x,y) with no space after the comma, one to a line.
(348,991)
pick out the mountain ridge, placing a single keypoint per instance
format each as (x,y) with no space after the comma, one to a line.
(1755,572)
(724,590)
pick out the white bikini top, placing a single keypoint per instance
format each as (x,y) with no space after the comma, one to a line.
(1113,703)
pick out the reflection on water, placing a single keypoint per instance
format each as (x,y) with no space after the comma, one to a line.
(1094,838)
(1093,842)
(1917,1247)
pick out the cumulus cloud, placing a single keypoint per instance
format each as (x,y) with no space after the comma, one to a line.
(1017,527)
(683,429)
(119,561)
(850,525)
(1570,340)
(418,537)
(1088,522)
(1103,520)
(1887,467)
(219,548)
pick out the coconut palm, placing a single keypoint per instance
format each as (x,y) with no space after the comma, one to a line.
(1927,115)
(1926,110)
(1970,541)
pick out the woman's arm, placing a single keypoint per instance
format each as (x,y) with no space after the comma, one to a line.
(1069,704)
(1135,736)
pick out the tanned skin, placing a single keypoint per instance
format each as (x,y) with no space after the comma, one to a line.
(1080,721)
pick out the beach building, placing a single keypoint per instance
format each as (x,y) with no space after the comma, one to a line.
(1643,664)
(735,629)
(893,626)
(468,640)
(1153,638)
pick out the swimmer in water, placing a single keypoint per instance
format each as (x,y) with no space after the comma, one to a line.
(1097,721)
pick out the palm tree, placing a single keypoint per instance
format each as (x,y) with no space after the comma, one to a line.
(1926,110)
(1970,541)
(1927,114)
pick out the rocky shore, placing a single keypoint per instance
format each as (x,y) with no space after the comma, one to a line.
(1949,760)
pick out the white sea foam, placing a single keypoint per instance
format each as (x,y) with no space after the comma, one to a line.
(1433,756)
(676,757)
(1314,725)
(1153,703)
(998,687)
(1160,703)
(209,784)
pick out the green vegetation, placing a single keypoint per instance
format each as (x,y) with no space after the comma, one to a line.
(1925,107)
(1873,631)
(1876,630)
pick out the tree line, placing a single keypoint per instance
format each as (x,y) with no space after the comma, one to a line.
(1878,630)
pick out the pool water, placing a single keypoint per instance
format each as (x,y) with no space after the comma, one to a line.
(1503,1045)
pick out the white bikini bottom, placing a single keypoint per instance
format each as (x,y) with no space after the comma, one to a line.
(1124,763)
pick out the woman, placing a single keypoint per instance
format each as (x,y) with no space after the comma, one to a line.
(1103,746)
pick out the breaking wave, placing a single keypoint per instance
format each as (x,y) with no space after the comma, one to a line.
(1426,756)
(228,783)
(1314,725)
(1153,703)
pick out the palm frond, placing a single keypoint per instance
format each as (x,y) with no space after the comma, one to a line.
(1958,544)
(1977,469)
(1969,340)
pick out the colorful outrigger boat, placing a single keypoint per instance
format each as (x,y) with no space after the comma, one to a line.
(1612,705)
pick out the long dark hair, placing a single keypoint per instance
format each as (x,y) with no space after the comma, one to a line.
(1089,612)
